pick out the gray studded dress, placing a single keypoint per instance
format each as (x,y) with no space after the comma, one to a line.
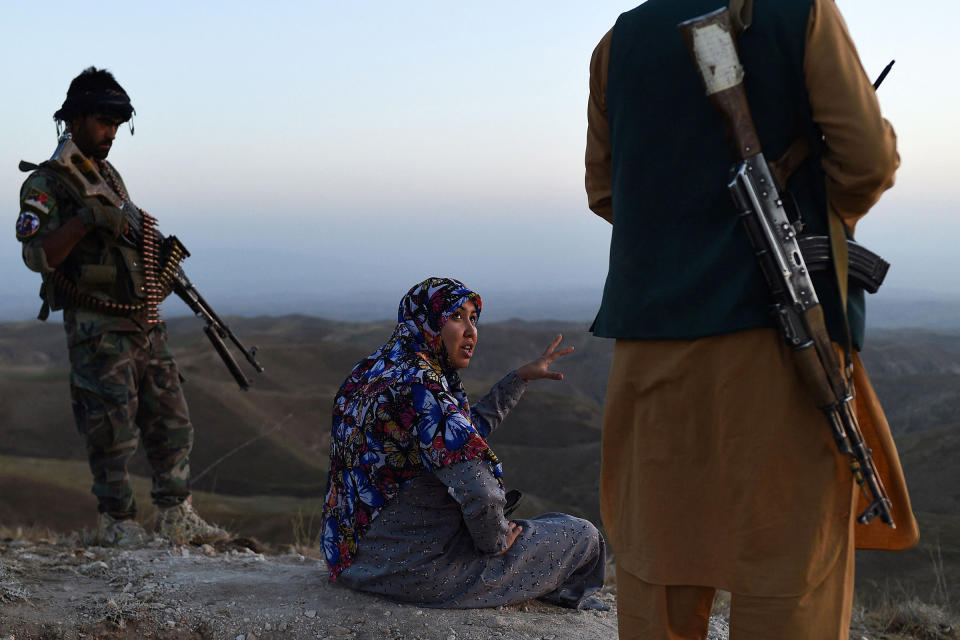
(435,544)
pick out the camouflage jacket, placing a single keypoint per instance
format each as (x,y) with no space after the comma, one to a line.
(97,266)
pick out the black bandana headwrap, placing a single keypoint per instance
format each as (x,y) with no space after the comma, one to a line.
(401,412)
(95,91)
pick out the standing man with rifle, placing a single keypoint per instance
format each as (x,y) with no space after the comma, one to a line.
(101,264)
(732,450)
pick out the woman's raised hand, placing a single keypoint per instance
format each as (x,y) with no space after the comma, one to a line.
(539,368)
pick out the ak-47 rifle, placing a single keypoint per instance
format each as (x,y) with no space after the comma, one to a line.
(70,162)
(774,238)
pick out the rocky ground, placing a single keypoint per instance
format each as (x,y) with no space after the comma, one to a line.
(65,589)
(59,587)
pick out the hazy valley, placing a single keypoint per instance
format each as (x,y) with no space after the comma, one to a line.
(260,457)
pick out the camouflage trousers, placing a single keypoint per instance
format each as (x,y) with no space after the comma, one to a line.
(125,388)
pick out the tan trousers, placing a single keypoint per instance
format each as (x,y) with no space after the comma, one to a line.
(678,612)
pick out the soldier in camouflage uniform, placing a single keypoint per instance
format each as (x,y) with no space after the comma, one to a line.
(124,383)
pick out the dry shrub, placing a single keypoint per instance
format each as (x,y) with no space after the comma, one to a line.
(10,589)
(306,542)
(915,619)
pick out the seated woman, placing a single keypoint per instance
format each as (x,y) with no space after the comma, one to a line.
(414,505)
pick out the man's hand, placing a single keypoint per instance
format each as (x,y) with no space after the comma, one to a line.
(512,535)
(106,217)
(539,368)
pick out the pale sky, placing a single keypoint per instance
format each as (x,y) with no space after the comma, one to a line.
(331,149)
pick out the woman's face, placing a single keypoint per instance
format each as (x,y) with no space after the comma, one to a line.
(459,334)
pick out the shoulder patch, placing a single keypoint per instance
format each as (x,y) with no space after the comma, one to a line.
(27,224)
(38,200)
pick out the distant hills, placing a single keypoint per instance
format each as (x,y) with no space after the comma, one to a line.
(260,457)
(889,309)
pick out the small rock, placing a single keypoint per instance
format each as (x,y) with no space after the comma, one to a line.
(497,621)
(99,565)
(208,550)
(170,624)
(310,613)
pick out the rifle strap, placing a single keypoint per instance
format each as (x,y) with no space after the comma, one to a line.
(841,268)
(741,14)
(785,166)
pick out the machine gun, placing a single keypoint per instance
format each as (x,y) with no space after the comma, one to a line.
(167,252)
(774,238)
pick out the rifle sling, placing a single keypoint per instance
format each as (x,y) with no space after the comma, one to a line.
(841,264)
(785,166)
(741,14)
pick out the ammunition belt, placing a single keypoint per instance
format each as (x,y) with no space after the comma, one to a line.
(151,260)
(161,256)
(161,262)
(77,299)
(173,254)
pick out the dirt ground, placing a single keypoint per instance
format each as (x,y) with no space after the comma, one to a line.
(64,589)
(61,588)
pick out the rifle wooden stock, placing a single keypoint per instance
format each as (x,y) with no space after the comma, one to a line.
(710,42)
(828,382)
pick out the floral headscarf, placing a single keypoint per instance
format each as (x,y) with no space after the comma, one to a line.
(401,412)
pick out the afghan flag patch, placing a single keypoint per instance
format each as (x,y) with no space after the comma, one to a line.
(42,202)
(27,224)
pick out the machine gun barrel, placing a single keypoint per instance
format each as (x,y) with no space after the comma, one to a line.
(71,162)
(216,330)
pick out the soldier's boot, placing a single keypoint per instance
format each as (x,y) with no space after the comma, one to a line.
(182,525)
(126,534)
